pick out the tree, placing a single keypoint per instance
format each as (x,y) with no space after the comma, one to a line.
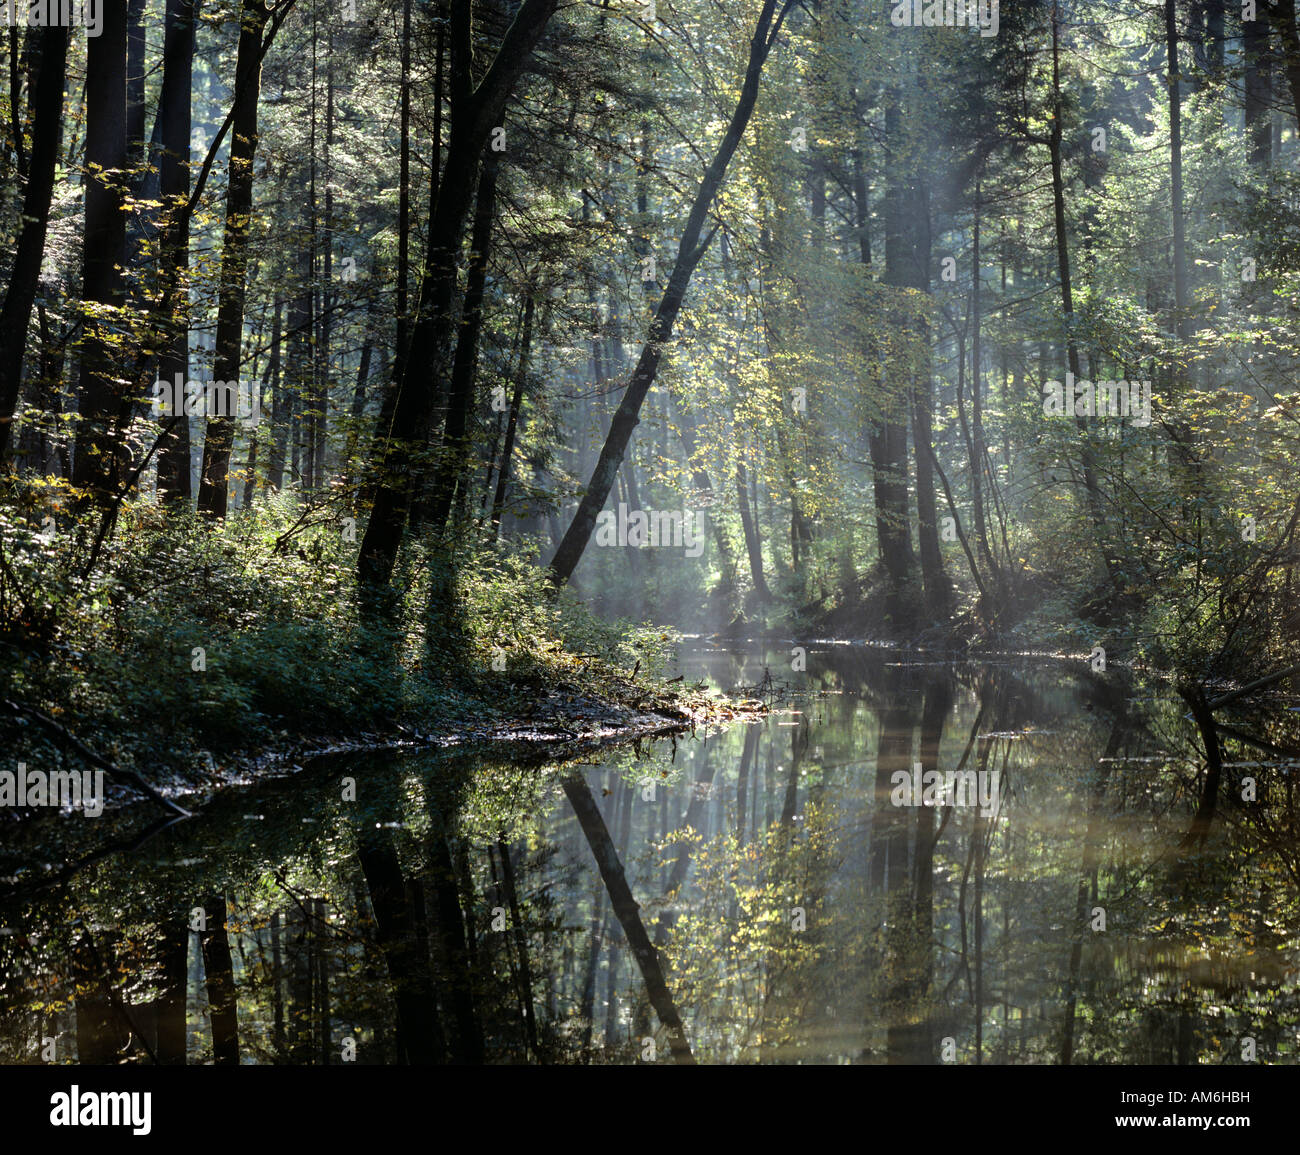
(214,483)
(476,109)
(690,250)
(16,312)
(98,461)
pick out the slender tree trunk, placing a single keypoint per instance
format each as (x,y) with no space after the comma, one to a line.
(16,104)
(358,407)
(935,581)
(753,547)
(1092,847)
(388,402)
(281,413)
(468,1047)
(455,442)
(214,484)
(404,180)
(691,249)
(937,705)
(299,385)
(512,424)
(135,65)
(977,401)
(1091,488)
(628,912)
(268,381)
(887,442)
(521,946)
(278,1041)
(325,329)
(1182,319)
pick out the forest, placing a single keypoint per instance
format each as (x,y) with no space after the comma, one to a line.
(595,482)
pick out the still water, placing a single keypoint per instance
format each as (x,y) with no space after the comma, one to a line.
(772,892)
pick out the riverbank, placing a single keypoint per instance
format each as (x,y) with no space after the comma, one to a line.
(183,657)
(545,724)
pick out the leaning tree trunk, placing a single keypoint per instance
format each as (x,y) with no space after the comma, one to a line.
(690,251)
(628,913)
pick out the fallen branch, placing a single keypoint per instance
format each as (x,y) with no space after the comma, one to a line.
(1257,684)
(1250,739)
(127,776)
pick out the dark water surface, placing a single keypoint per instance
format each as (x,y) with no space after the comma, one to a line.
(804,907)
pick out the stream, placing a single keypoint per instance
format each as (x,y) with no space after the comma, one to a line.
(800,889)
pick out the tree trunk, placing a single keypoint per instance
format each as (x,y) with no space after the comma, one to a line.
(97,466)
(358,406)
(1259,89)
(976,447)
(170,1038)
(690,250)
(704,485)
(475,112)
(135,64)
(268,380)
(214,484)
(753,547)
(15,313)
(419,1037)
(468,1047)
(1181,317)
(1282,14)
(298,389)
(221,983)
(628,912)
(512,425)
(521,945)
(281,412)
(937,587)
(460,403)
(1091,489)
(172,136)
(325,327)
(888,440)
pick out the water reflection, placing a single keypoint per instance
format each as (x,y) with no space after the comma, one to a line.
(770,893)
